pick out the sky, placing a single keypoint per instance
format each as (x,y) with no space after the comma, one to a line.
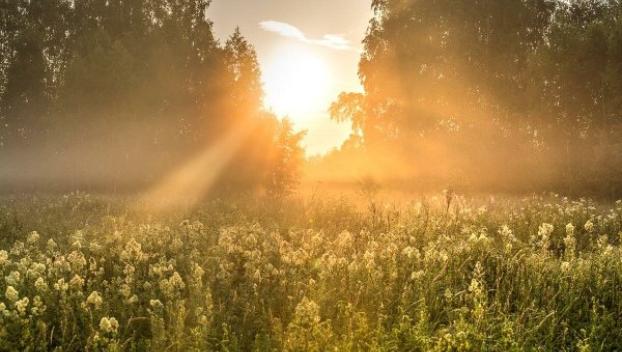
(309,52)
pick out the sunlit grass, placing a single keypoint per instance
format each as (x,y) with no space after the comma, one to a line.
(85,273)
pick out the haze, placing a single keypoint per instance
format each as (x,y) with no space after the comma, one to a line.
(302,77)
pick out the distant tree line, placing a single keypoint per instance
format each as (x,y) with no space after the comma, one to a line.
(491,94)
(121,91)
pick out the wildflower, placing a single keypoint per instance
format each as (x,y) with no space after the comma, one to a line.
(589,226)
(77,261)
(197,273)
(95,299)
(21,305)
(36,270)
(18,248)
(176,281)
(544,235)
(132,300)
(4,257)
(545,230)
(76,282)
(41,285)
(132,251)
(475,287)
(155,304)
(408,252)
(38,306)
(11,294)
(76,239)
(109,325)
(129,270)
(416,275)
(61,264)
(61,285)
(13,279)
(506,233)
(51,245)
(344,241)
(570,242)
(125,290)
(33,237)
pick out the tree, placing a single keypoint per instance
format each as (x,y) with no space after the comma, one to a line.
(286,158)
(450,81)
(242,65)
(125,91)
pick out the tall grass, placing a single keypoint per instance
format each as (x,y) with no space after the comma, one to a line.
(87,273)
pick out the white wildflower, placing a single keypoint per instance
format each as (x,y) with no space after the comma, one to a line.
(33,237)
(109,325)
(76,282)
(13,279)
(95,300)
(61,285)
(416,275)
(77,261)
(132,251)
(36,270)
(51,245)
(176,281)
(155,304)
(4,257)
(38,306)
(41,285)
(589,226)
(11,294)
(132,300)
(545,230)
(22,305)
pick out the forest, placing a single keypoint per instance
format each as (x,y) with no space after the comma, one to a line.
(512,96)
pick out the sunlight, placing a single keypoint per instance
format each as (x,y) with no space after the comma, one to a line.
(190,183)
(296,82)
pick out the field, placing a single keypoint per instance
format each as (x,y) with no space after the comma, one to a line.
(440,273)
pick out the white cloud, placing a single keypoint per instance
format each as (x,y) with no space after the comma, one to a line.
(333,41)
(284,29)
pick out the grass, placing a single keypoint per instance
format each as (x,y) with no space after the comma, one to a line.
(92,273)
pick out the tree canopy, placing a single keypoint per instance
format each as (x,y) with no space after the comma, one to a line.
(120,91)
(488,89)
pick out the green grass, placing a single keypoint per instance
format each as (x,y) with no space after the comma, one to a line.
(320,275)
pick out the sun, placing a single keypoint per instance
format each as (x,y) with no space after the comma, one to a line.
(296,82)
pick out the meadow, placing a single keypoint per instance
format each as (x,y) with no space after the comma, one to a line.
(441,273)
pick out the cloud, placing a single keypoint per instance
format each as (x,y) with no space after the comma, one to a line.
(333,41)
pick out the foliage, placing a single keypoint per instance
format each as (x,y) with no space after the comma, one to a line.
(463,86)
(86,273)
(137,85)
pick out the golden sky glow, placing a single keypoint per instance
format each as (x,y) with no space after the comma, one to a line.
(295,82)
(309,53)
